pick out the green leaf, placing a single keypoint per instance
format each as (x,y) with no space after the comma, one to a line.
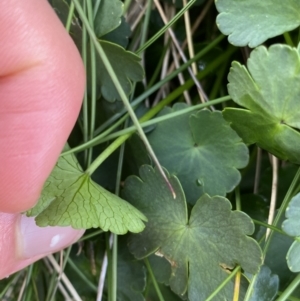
(71,198)
(127,67)
(266,285)
(269,90)
(292,227)
(201,248)
(201,150)
(108,17)
(120,35)
(252,22)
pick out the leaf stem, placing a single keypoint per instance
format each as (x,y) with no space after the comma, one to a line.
(157,289)
(165,28)
(91,235)
(257,170)
(291,298)
(158,85)
(282,208)
(276,220)
(114,265)
(202,95)
(91,142)
(93,82)
(289,290)
(106,153)
(145,120)
(223,284)
(250,287)
(70,17)
(85,105)
(122,94)
(5,293)
(81,275)
(273,228)
(121,139)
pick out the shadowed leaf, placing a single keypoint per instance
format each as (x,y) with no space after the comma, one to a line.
(108,16)
(201,248)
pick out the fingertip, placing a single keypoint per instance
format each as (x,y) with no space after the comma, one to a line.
(37,241)
(41,89)
(24,243)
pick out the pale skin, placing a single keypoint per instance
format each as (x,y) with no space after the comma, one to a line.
(41,88)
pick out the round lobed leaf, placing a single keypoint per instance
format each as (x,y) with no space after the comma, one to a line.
(252,22)
(71,198)
(201,150)
(200,248)
(270,92)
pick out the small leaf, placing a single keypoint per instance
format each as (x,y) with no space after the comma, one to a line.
(270,93)
(292,227)
(252,22)
(201,150)
(71,198)
(120,35)
(127,67)
(202,249)
(265,286)
(108,17)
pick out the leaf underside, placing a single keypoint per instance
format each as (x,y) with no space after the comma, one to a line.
(71,198)
(201,249)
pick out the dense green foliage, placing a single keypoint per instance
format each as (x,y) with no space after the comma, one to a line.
(201,217)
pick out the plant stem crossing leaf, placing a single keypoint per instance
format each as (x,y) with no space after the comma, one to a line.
(201,150)
(201,248)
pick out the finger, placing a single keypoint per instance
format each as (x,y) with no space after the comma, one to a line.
(23,243)
(41,89)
